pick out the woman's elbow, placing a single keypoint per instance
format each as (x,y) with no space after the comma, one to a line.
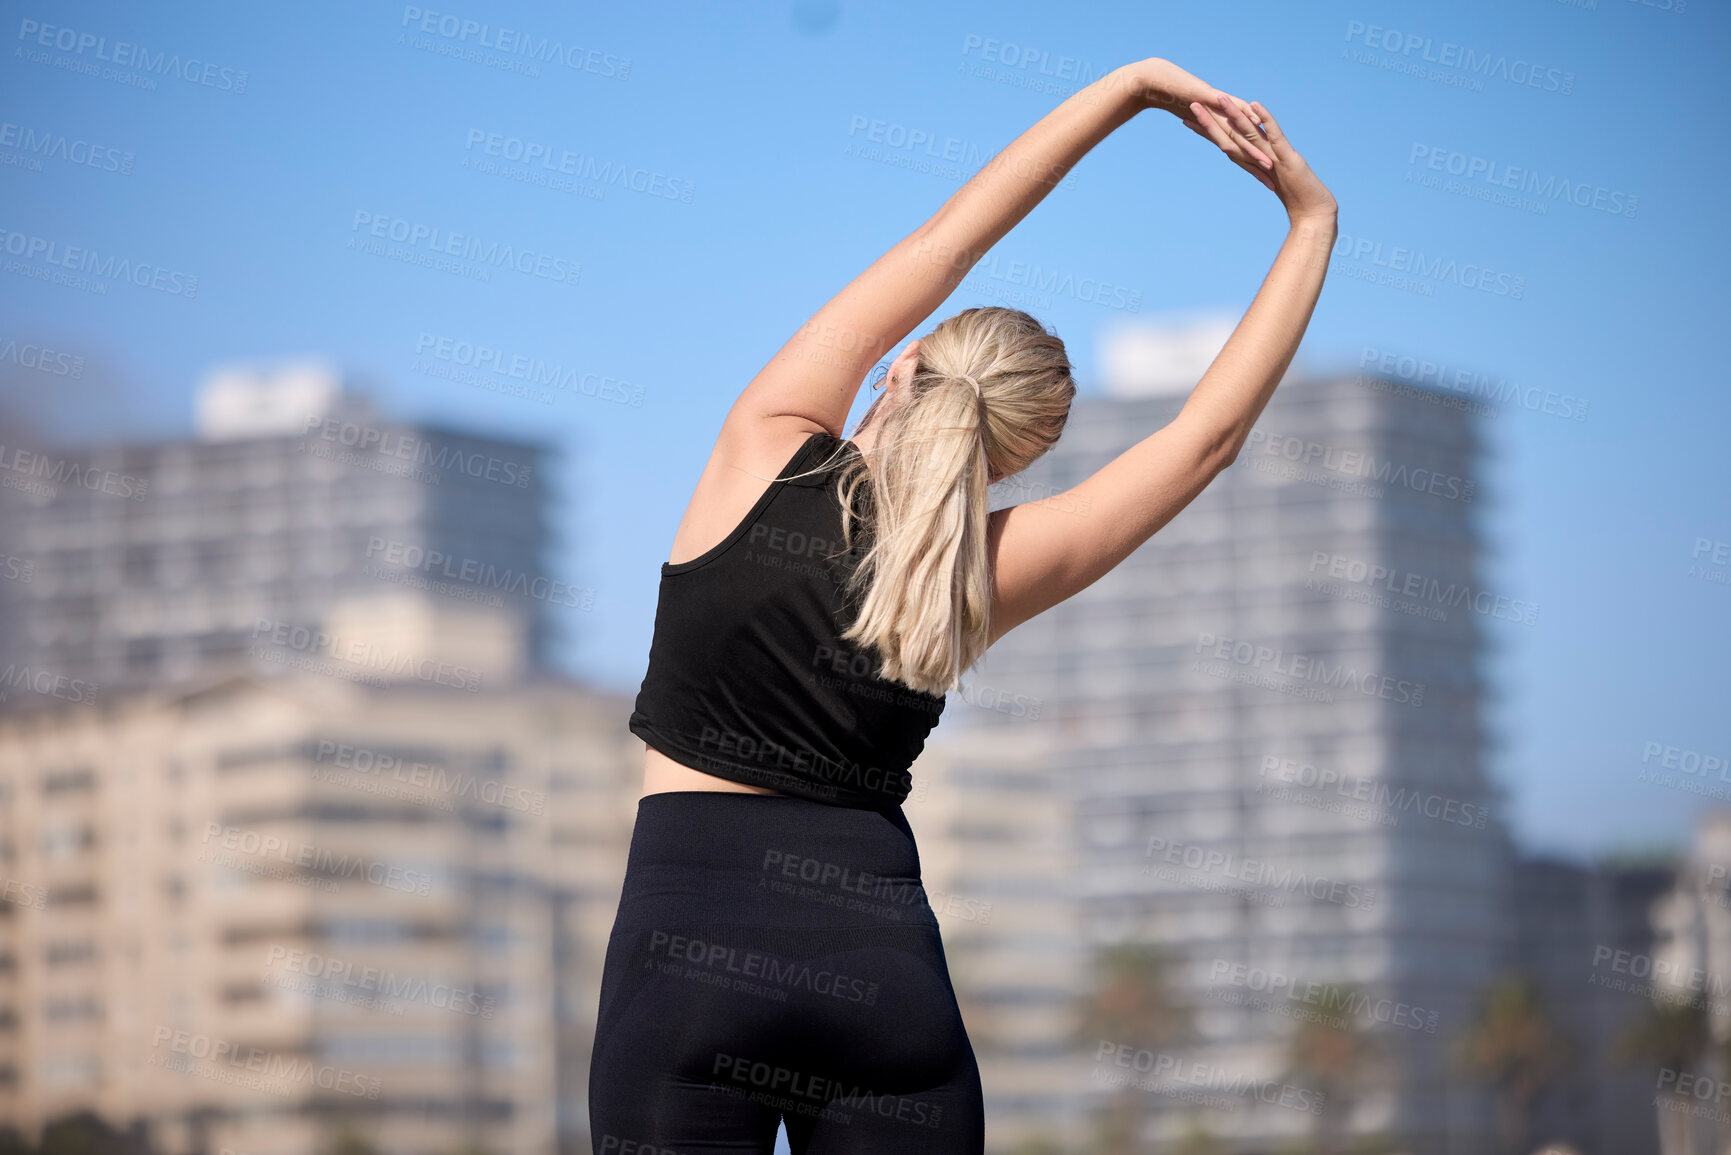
(1221,454)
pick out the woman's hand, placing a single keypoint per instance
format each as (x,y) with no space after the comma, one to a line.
(1250,136)
(1162,84)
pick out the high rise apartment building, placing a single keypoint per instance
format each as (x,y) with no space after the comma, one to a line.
(1576,932)
(1268,725)
(297,506)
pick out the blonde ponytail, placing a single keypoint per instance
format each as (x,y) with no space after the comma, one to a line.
(990,394)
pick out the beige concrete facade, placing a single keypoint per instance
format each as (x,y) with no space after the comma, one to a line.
(995,829)
(261,911)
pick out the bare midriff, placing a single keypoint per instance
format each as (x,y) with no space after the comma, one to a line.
(662,774)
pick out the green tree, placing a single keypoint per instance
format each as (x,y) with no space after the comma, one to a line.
(1513,1047)
(87,1133)
(1670,1035)
(78,1133)
(1333,1056)
(1130,1003)
(1199,1140)
(348,1140)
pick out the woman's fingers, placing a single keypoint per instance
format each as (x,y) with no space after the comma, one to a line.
(1226,137)
(1271,127)
(1216,132)
(1228,143)
(1264,175)
(1187,111)
(1248,134)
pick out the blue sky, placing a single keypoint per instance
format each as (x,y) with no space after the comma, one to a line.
(751,108)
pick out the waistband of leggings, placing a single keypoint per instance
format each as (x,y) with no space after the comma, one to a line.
(732,829)
(729,856)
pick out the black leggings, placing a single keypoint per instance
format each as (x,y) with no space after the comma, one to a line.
(775,960)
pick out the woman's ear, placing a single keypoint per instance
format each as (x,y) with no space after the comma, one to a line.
(905,363)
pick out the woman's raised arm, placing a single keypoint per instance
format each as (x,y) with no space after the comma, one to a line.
(817,374)
(1041,551)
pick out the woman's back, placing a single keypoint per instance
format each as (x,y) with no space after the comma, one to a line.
(749,679)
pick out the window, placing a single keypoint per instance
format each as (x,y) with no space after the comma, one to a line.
(68,781)
(68,952)
(368,1052)
(66,841)
(73,1008)
(366,930)
(71,1071)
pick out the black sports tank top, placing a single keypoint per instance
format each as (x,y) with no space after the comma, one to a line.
(748,677)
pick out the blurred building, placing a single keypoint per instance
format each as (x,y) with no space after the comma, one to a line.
(996,855)
(300,838)
(263,913)
(297,507)
(1266,723)
(1568,923)
(1690,978)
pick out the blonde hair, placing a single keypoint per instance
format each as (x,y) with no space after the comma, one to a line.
(990,393)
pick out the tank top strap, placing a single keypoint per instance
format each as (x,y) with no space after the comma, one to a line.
(820,449)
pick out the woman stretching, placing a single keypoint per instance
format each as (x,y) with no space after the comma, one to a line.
(774,958)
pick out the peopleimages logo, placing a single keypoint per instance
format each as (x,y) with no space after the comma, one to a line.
(1208,1075)
(318,861)
(513,42)
(823,1097)
(226,1061)
(1391,798)
(123,54)
(1659,979)
(1692,1086)
(42,475)
(1260,873)
(1419,588)
(341,980)
(1361,463)
(1495,175)
(1334,1001)
(46,683)
(1686,761)
(23,893)
(408,555)
(1434,267)
(1717,553)
(429,775)
(486,361)
(417,236)
(405,446)
(1478,386)
(46,143)
(1304,668)
(754,969)
(288,641)
(50,361)
(562,161)
(1483,65)
(105,264)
